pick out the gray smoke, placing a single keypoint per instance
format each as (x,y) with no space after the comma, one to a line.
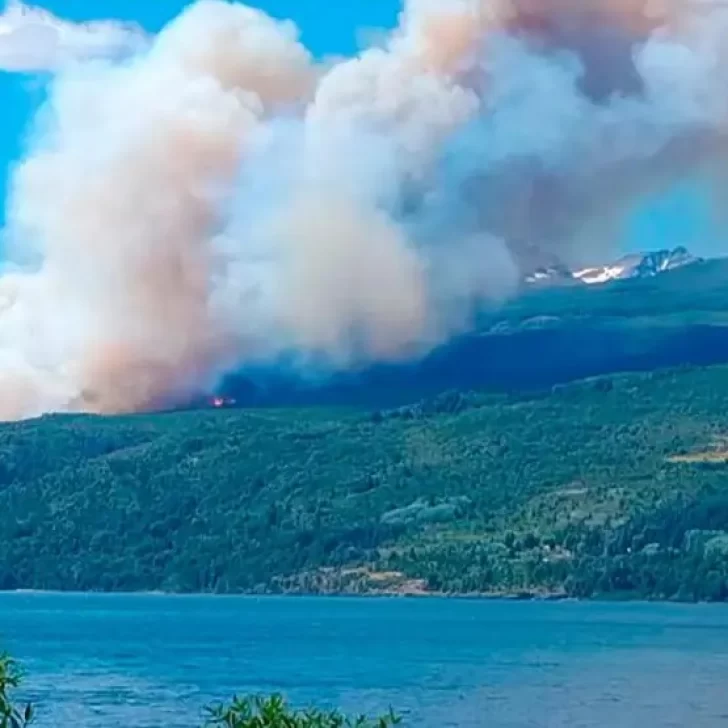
(220,198)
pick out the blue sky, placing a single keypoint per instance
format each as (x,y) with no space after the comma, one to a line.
(327,28)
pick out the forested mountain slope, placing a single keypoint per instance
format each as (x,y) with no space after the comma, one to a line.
(607,486)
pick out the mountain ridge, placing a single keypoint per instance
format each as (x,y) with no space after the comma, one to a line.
(544,336)
(630,266)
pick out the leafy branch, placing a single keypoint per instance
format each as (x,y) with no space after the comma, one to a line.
(274,712)
(10,679)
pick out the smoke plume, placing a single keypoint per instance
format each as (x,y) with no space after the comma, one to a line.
(219,198)
(33,39)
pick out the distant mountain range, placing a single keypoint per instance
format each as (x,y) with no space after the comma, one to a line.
(634,265)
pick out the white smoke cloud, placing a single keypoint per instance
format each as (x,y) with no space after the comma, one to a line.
(220,198)
(33,39)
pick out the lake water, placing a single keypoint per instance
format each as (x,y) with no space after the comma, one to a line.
(152,661)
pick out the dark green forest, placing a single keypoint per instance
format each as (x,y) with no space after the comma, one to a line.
(609,487)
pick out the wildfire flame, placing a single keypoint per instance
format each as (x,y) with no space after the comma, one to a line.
(219,402)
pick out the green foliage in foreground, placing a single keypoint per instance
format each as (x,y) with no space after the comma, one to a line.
(273,712)
(614,487)
(11,716)
(242,712)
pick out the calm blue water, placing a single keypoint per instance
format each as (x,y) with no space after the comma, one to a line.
(142,661)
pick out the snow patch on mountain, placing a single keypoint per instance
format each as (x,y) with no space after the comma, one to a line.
(634,265)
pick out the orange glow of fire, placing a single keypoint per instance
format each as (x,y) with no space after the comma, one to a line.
(222,402)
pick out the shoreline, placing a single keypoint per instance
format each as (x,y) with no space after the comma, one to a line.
(485,597)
